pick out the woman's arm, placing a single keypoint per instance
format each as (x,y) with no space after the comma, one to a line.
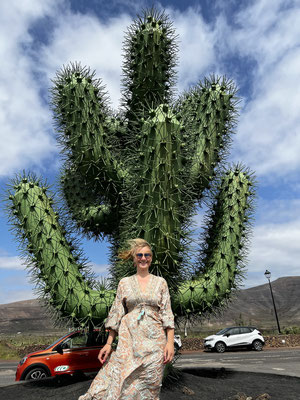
(111,337)
(170,335)
(106,349)
(169,348)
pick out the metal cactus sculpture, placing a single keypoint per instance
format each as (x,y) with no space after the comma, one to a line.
(139,173)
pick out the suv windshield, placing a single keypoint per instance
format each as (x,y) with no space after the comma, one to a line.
(56,341)
(222,331)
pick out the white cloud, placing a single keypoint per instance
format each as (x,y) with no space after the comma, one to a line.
(24,120)
(275,247)
(271,29)
(268,137)
(11,296)
(101,270)
(85,39)
(269,133)
(14,280)
(196,46)
(11,263)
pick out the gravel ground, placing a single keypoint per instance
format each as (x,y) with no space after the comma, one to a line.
(202,384)
(221,384)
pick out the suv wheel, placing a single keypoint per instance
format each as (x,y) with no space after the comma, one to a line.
(220,347)
(36,373)
(257,345)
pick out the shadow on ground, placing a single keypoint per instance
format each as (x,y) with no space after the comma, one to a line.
(195,383)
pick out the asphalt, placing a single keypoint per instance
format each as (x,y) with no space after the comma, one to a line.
(195,383)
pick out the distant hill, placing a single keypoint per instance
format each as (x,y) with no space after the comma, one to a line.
(250,307)
(254,306)
(28,316)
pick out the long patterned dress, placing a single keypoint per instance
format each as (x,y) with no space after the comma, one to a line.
(134,371)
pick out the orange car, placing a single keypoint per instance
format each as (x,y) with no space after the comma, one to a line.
(75,352)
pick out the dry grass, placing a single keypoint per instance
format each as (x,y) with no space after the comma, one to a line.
(15,347)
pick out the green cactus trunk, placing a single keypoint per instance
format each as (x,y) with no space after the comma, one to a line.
(141,173)
(53,256)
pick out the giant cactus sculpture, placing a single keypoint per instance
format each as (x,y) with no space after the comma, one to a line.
(139,173)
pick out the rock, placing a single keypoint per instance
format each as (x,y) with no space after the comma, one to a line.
(264,396)
(241,396)
(187,391)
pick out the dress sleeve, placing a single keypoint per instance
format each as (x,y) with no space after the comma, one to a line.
(117,310)
(166,313)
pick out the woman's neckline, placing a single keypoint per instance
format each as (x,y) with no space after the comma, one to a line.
(138,283)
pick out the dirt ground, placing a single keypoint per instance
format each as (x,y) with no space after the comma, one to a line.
(221,384)
(202,384)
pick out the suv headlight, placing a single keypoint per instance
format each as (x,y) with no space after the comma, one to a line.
(23,360)
(208,340)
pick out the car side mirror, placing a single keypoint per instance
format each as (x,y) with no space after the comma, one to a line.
(227,334)
(59,349)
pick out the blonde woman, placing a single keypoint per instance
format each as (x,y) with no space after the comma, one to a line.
(141,315)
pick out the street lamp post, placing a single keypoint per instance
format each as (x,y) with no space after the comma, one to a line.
(268,276)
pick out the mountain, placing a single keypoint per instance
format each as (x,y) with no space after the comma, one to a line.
(249,307)
(27,316)
(254,306)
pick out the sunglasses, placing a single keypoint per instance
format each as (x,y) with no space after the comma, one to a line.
(140,255)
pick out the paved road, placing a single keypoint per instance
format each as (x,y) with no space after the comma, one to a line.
(279,361)
(7,372)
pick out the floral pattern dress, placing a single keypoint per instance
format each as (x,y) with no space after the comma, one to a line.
(134,371)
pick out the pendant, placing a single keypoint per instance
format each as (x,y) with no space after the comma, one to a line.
(141,314)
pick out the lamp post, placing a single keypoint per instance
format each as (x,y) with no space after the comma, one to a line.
(268,276)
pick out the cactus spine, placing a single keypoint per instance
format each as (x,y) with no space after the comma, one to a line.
(140,173)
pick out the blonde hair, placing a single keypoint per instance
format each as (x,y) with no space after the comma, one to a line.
(133,245)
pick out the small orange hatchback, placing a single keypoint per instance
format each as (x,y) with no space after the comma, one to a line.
(75,352)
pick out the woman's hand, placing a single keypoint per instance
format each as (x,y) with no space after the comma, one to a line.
(168,353)
(104,353)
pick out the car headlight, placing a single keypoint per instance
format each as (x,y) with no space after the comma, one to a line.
(208,340)
(23,360)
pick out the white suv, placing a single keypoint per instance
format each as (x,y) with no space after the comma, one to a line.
(177,342)
(237,336)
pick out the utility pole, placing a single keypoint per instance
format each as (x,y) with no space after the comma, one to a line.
(268,276)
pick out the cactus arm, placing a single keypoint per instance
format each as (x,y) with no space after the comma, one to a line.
(159,211)
(93,215)
(156,193)
(222,250)
(208,114)
(87,131)
(149,64)
(64,286)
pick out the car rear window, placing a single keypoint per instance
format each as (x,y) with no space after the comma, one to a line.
(234,331)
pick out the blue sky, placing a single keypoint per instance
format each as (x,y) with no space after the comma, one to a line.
(256,43)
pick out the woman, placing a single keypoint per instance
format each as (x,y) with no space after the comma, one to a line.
(141,315)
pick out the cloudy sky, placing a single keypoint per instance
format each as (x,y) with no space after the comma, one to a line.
(256,43)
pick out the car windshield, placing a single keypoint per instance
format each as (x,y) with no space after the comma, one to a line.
(222,331)
(58,340)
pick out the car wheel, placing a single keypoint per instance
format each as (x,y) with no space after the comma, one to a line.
(257,345)
(220,347)
(36,373)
